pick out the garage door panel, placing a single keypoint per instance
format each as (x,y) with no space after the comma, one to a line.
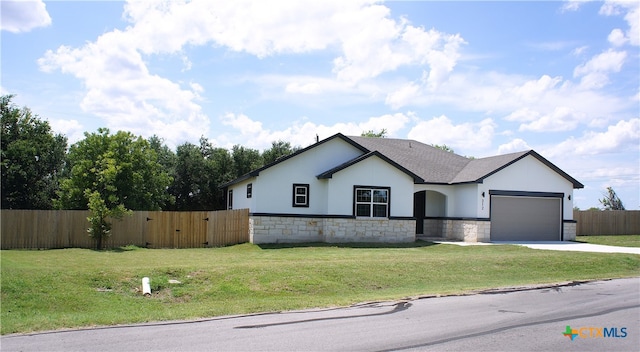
(525,218)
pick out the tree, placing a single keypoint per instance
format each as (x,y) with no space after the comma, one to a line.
(166,156)
(278,149)
(444,147)
(198,172)
(192,178)
(372,133)
(32,158)
(245,160)
(110,175)
(611,200)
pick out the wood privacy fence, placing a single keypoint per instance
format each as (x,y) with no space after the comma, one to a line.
(607,222)
(23,229)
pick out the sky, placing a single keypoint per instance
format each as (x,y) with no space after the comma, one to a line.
(484,78)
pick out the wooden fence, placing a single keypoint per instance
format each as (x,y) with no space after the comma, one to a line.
(23,229)
(607,222)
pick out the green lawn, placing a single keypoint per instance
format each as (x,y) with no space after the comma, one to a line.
(614,240)
(53,289)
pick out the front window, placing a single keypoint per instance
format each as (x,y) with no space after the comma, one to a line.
(301,195)
(230,199)
(372,202)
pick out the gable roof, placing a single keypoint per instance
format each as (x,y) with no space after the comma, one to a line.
(256,172)
(433,165)
(329,173)
(424,163)
(436,166)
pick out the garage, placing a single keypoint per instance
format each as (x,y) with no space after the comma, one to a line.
(526,216)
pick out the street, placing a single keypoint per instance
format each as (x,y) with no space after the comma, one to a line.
(603,315)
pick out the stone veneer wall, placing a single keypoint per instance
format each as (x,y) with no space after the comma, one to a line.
(570,228)
(285,229)
(476,231)
(459,230)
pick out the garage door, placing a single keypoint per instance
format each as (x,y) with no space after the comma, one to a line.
(523,218)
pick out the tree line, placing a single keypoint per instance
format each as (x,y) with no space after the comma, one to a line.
(113,173)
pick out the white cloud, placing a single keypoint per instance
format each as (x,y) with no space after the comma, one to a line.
(467,136)
(616,37)
(23,16)
(121,89)
(72,129)
(516,145)
(405,95)
(631,10)
(573,5)
(623,136)
(371,42)
(594,73)
(303,132)
(303,88)
(561,118)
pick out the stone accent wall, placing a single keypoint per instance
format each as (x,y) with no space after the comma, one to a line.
(569,233)
(458,230)
(369,230)
(432,228)
(467,230)
(283,229)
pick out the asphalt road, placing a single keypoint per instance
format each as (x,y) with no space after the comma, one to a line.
(527,320)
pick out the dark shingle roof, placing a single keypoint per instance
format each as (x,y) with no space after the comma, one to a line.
(426,164)
(437,166)
(431,164)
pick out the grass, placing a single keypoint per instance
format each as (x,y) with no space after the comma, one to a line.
(54,289)
(612,240)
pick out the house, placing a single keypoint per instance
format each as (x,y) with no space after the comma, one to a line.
(362,189)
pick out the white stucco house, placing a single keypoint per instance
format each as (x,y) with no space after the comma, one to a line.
(359,189)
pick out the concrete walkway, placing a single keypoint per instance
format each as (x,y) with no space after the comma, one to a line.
(554,246)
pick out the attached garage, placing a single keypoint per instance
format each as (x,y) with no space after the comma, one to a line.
(526,216)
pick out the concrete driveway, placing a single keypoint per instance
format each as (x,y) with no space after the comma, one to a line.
(555,246)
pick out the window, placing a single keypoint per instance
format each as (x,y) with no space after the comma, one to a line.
(300,195)
(230,199)
(372,202)
(249,190)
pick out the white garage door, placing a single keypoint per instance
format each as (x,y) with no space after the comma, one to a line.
(523,218)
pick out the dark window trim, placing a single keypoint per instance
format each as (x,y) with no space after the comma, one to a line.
(294,195)
(354,207)
(230,199)
(250,190)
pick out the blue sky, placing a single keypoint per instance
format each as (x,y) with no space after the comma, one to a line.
(485,78)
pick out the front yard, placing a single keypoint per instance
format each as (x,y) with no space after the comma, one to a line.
(54,289)
(612,240)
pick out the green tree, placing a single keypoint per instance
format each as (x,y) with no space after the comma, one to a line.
(166,157)
(245,160)
(278,149)
(32,158)
(444,147)
(372,133)
(198,172)
(611,200)
(110,175)
(191,183)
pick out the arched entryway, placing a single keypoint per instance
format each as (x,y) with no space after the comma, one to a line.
(432,206)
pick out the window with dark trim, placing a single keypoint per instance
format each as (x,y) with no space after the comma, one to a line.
(371,202)
(300,195)
(230,199)
(250,190)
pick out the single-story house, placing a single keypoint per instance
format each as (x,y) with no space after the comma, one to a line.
(363,189)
